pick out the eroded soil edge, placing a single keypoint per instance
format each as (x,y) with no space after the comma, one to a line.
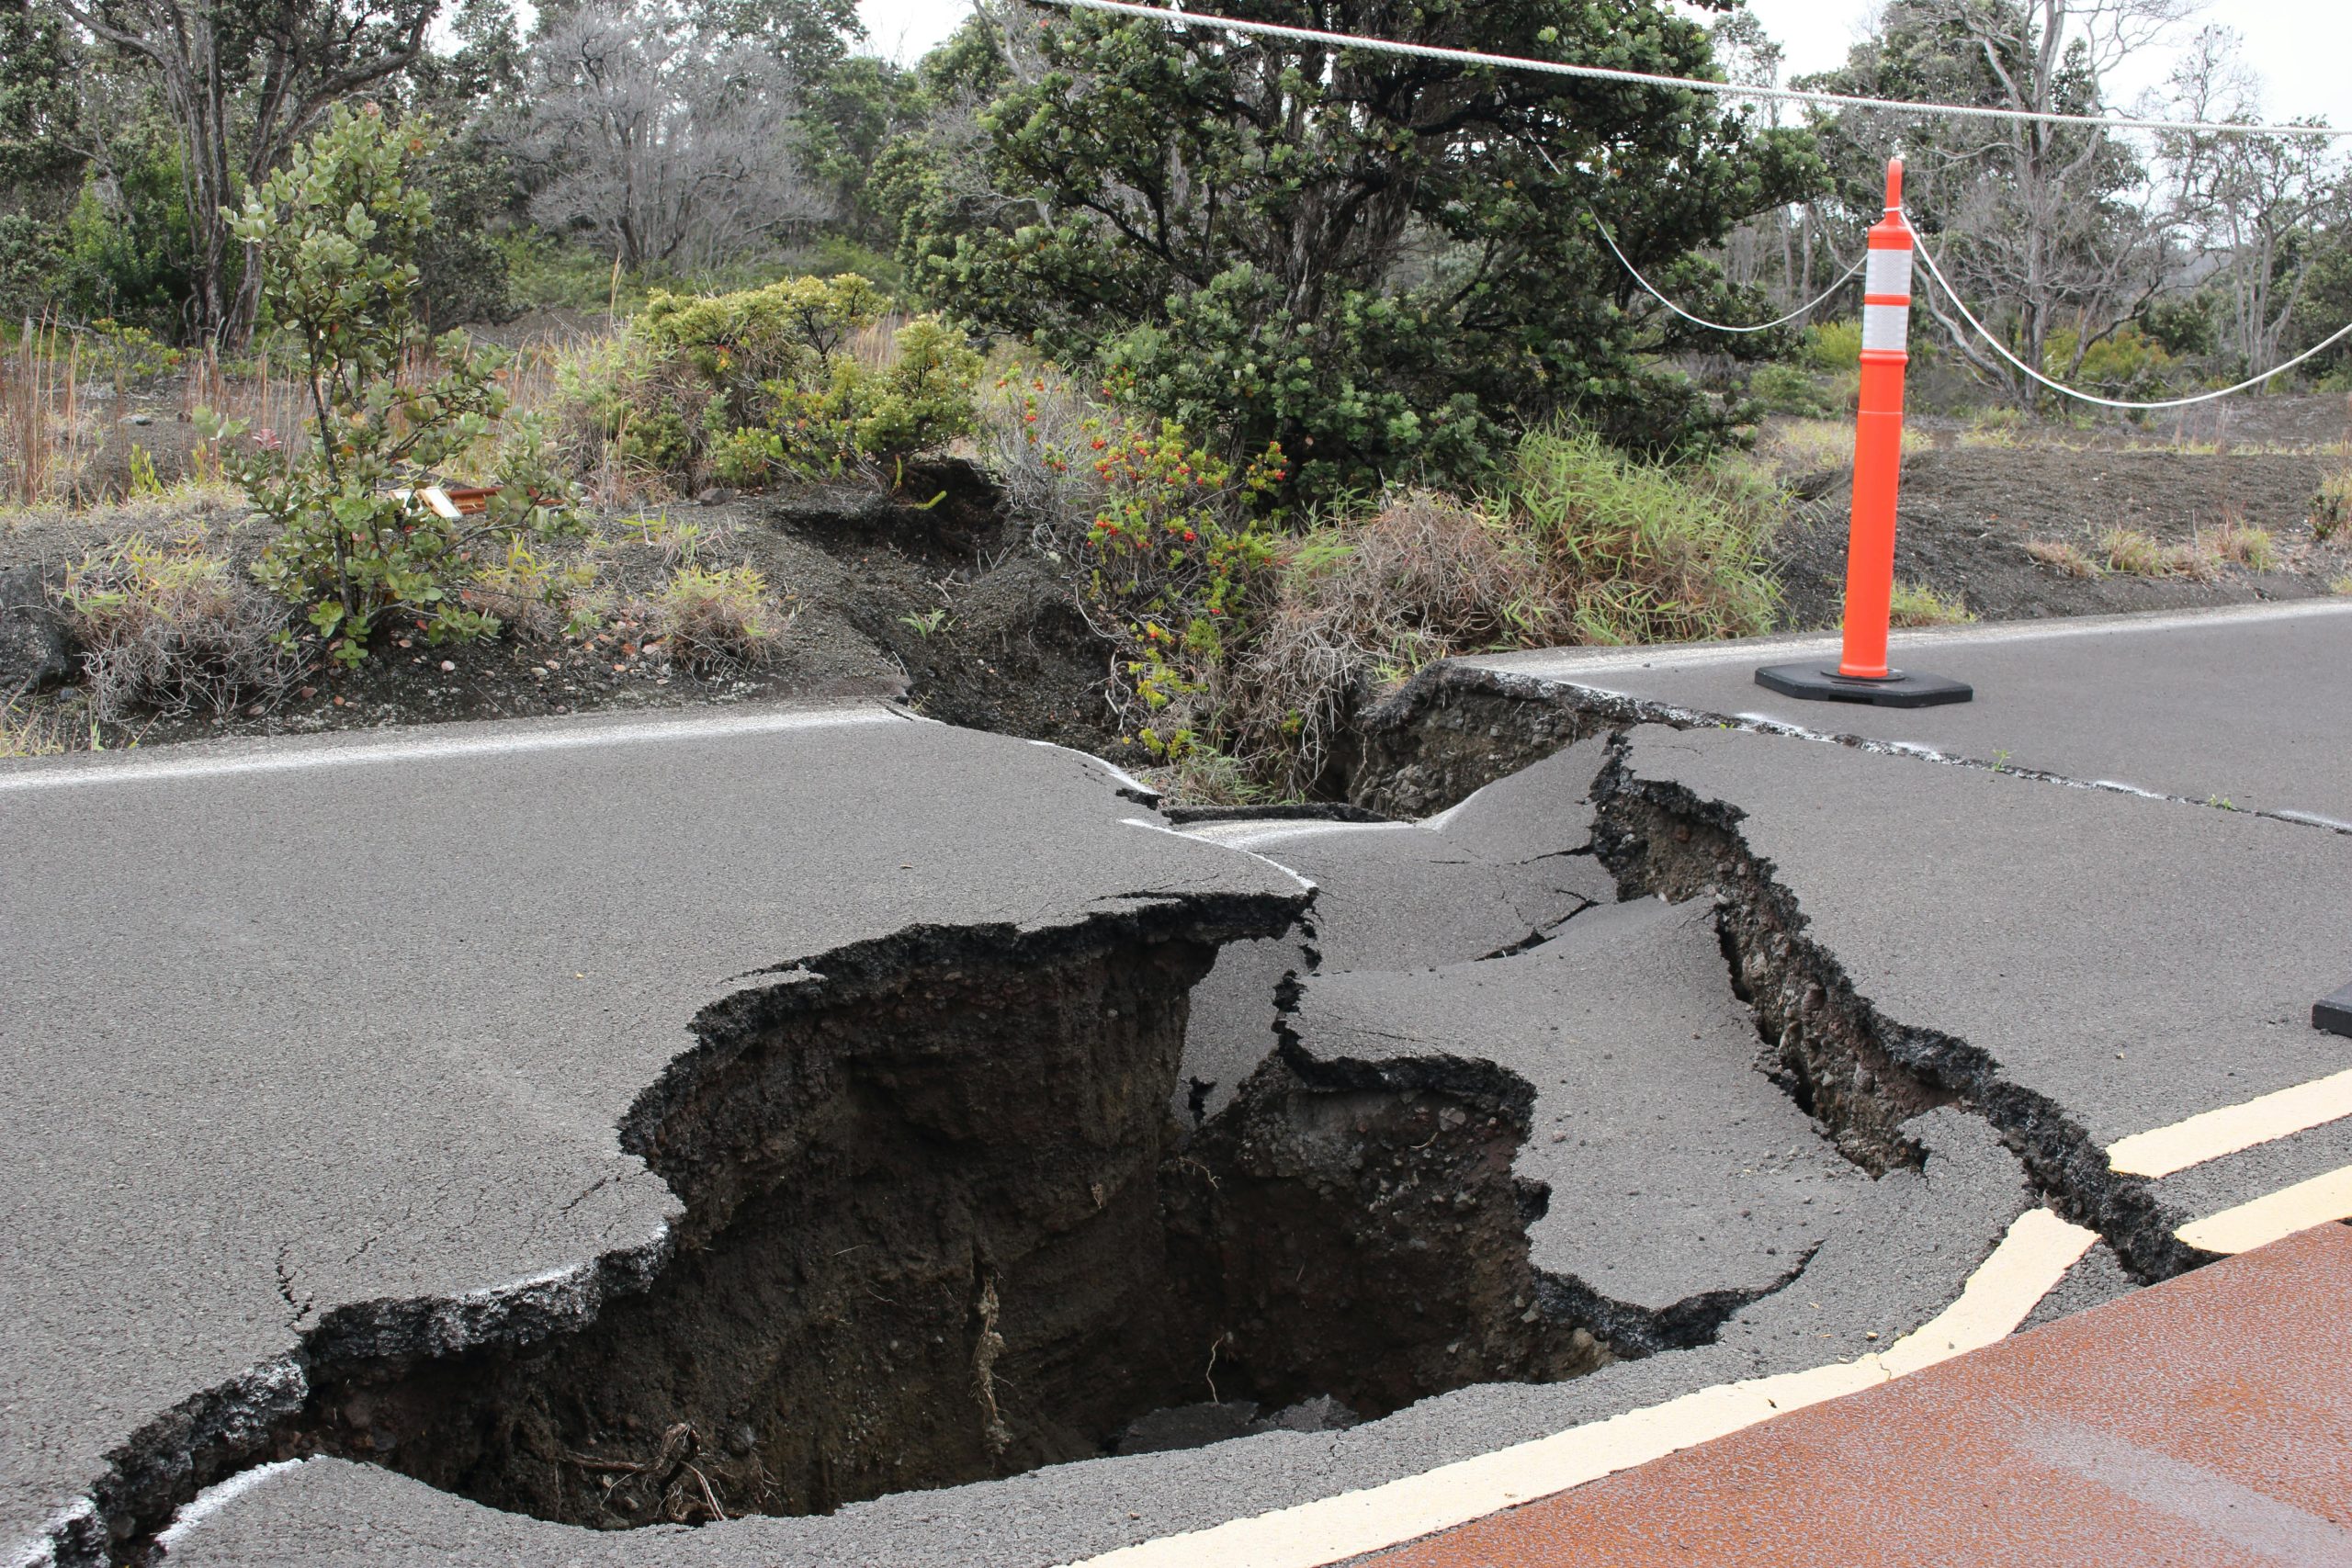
(939,1227)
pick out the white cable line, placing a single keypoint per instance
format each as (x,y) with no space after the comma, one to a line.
(1696,85)
(2000,348)
(1717,326)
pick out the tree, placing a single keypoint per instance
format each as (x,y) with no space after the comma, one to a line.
(852,111)
(334,234)
(242,82)
(2250,206)
(671,142)
(40,156)
(2042,225)
(809,37)
(476,190)
(1386,263)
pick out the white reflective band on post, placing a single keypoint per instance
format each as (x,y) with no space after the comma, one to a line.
(1889,273)
(1886,327)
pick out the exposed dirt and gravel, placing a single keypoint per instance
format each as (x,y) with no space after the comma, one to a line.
(948,607)
(1968,512)
(881,595)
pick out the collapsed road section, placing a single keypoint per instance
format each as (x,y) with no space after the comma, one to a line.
(350,1080)
(1469,1153)
(866,1141)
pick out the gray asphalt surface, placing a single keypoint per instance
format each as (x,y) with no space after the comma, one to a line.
(292,1027)
(1677,1170)
(1904,1248)
(2134,961)
(266,1060)
(1502,869)
(2252,706)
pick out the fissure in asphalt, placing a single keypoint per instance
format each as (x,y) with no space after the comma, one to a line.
(943,1228)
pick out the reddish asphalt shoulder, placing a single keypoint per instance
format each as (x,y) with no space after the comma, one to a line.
(2206,1421)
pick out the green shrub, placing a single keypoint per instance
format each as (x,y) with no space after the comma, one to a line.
(1787,388)
(1834,346)
(127,250)
(1177,561)
(126,355)
(2332,505)
(770,382)
(2128,363)
(335,231)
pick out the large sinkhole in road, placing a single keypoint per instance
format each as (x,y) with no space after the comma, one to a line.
(944,1228)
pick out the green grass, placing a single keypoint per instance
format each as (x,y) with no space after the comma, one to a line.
(2253,548)
(1917,605)
(2134,554)
(1642,553)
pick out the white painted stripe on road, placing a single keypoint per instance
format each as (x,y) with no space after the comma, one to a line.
(2163,1150)
(1305,881)
(1125,778)
(2031,1261)
(2275,1217)
(216,1496)
(1240,835)
(1568,664)
(136,769)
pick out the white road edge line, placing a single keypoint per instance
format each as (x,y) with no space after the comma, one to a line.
(137,769)
(2209,1135)
(1544,662)
(2030,1261)
(1241,835)
(2274,1217)
(214,1499)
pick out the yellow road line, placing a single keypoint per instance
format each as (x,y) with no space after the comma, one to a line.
(2032,1258)
(2163,1150)
(2281,1213)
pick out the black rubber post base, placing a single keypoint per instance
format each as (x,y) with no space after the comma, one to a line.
(1902,689)
(2334,1014)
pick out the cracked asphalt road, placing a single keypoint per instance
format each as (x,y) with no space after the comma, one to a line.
(294,1028)
(267,976)
(2248,706)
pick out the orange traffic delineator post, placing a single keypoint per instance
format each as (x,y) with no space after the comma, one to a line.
(1862,675)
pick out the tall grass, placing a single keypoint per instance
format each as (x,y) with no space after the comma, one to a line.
(44,439)
(1580,544)
(1640,553)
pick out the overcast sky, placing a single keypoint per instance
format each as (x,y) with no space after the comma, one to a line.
(2302,48)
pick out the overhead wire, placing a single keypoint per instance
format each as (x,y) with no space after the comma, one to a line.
(1651,289)
(1785,94)
(1692,84)
(1935,273)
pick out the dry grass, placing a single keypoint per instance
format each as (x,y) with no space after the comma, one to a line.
(1915,605)
(2135,554)
(2342,585)
(2065,557)
(710,617)
(175,628)
(2253,548)
(46,436)
(1370,602)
